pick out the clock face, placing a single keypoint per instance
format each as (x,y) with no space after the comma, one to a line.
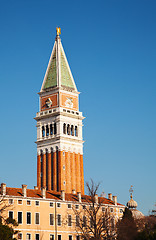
(69,102)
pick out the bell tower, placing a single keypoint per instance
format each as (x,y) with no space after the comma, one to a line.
(59,127)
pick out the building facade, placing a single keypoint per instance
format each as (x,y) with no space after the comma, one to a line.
(42,212)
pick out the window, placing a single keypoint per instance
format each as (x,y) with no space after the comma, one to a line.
(51,204)
(37,203)
(43,131)
(51,237)
(69,206)
(28,202)
(28,217)
(84,221)
(64,128)
(51,219)
(59,237)
(58,204)
(103,209)
(69,220)
(91,222)
(37,218)
(77,221)
(19,217)
(77,206)
(70,237)
(37,236)
(63,167)
(11,214)
(59,220)
(19,235)
(111,209)
(28,236)
(77,237)
(19,201)
(11,201)
(121,210)
(55,128)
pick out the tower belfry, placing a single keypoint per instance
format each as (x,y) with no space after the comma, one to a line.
(59,127)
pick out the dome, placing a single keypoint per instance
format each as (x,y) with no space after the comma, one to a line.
(131,203)
(136,214)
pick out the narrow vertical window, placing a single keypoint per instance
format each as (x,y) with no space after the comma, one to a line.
(37,236)
(20,236)
(72,130)
(28,217)
(59,237)
(64,128)
(51,129)
(68,129)
(70,237)
(84,221)
(28,236)
(77,221)
(43,131)
(47,130)
(37,218)
(58,219)
(51,237)
(76,131)
(19,217)
(51,219)
(11,214)
(69,220)
(55,128)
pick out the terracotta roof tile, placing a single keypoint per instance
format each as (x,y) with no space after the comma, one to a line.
(33,193)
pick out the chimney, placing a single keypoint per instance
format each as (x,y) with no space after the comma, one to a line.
(35,188)
(96,198)
(110,196)
(73,191)
(24,190)
(63,195)
(115,200)
(43,191)
(79,196)
(3,189)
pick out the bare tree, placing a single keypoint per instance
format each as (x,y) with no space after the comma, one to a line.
(92,219)
(7,224)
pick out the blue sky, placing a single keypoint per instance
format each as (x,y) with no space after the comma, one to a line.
(111,49)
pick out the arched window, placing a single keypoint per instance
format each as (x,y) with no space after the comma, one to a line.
(76,131)
(55,128)
(72,130)
(47,130)
(64,128)
(51,129)
(43,131)
(68,129)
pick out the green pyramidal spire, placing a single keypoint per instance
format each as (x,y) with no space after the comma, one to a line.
(58,72)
